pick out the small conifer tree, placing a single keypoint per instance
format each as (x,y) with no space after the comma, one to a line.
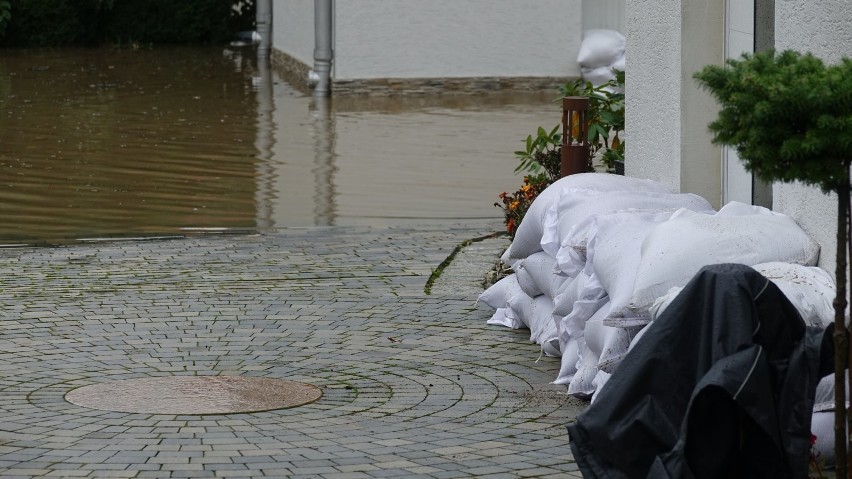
(789,116)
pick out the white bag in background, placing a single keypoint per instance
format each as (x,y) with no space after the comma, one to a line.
(600,47)
(598,76)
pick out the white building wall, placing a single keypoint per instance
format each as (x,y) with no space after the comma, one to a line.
(823,28)
(652,110)
(293,29)
(608,14)
(666,112)
(451,38)
(438,38)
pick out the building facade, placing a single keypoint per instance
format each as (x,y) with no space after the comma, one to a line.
(442,45)
(667,113)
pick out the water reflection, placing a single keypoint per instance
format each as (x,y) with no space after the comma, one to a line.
(107,143)
(324,135)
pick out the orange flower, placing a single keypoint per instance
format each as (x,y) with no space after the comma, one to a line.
(510,225)
(514,205)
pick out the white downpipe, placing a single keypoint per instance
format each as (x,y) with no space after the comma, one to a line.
(320,76)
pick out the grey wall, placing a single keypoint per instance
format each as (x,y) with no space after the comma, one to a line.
(821,27)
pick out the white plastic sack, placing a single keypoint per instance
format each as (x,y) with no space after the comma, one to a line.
(568,362)
(575,213)
(598,76)
(600,47)
(587,367)
(616,344)
(677,249)
(822,421)
(810,289)
(568,294)
(536,276)
(663,302)
(505,317)
(614,252)
(536,313)
(498,294)
(592,299)
(598,383)
(620,64)
(550,347)
(528,236)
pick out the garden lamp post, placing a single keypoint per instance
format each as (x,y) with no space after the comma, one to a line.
(575,135)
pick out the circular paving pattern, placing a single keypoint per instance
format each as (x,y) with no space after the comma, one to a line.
(194,395)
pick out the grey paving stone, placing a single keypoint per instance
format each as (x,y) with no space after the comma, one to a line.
(414,385)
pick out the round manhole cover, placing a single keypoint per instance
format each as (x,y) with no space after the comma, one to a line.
(195,395)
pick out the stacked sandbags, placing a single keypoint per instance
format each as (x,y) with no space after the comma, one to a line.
(601,51)
(598,257)
(539,295)
(643,259)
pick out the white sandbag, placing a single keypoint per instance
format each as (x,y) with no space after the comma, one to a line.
(614,252)
(663,302)
(616,344)
(528,236)
(568,294)
(598,383)
(536,314)
(587,366)
(536,276)
(824,396)
(574,212)
(591,300)
(548,336)
(580,384)
(597,76)
(505,317)
(677,249)
(498,294)
(511,263)
(810,289)
(600,47)
(822,421)
(550,347)
(573,337)
(568,363)
(620,64)
(638,337)
(822,426)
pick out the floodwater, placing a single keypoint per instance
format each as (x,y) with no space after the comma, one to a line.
(109,143)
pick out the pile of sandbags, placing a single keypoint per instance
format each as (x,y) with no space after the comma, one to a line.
(598,257)
(601,51)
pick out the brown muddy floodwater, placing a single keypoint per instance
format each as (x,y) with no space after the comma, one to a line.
(106,143)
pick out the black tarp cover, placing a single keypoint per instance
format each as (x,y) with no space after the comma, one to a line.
(721,386)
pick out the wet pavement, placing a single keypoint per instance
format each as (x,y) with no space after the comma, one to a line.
(413,385)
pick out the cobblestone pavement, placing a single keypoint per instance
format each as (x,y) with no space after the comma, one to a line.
(413,385)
